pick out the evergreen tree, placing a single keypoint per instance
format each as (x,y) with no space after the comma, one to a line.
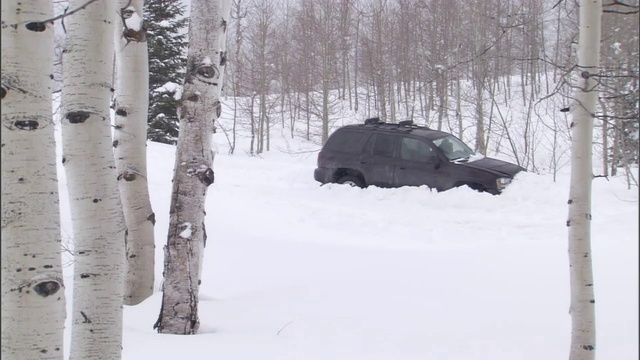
(167,41)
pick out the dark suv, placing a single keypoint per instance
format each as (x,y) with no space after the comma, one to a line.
(404,154)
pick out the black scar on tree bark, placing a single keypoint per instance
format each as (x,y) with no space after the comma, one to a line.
(47,288)
(204,238)
(36,26)
(86,318)
(207,177)
(158,324)
(217,106)
(206,71)
(26,124)
(78,117)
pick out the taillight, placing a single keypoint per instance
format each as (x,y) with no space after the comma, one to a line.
(321,159)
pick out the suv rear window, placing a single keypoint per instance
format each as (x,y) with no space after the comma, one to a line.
(346,141)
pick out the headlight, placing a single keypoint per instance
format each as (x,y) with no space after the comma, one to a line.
(501,183)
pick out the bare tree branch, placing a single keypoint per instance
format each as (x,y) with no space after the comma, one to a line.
(61,16)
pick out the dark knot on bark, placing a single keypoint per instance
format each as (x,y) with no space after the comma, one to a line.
(207,71)
(206,177)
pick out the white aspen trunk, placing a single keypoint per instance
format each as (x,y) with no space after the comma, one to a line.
(480,144)
(392,94)
(96,213)
(605,138)
(583,332)
(458,74)
(325,99)
(33,300)
(131,103)
(198,109)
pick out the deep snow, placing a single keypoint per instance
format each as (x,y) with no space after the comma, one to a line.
(294,270)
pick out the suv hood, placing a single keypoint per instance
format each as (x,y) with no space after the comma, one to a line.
(495,166)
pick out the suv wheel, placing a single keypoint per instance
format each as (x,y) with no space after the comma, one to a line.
(476,187)
(351,180)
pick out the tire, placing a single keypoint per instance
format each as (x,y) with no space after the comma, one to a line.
(476,187)
(351,180)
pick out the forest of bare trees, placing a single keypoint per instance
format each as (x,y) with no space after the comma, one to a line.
(452,65)
(434,62)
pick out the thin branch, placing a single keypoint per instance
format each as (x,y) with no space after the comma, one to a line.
(617,117)
(636,8)
(621,12)
(618,2)
(61,16)
(282,328)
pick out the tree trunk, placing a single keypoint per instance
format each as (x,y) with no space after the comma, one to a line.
(308,114)
(265,116)
(238,73)
(459,100)
(198,109)
(253,124)
(440,89)
(480,145)
(605,138)
(261,124)
(615,149)
(392,95)
(33,300)
(356,64)
(96,212)
(583,332)
(131,103)
(325,98)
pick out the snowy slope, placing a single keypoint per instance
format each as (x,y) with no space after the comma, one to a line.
(294,270)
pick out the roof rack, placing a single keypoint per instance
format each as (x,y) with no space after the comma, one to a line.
(402,125)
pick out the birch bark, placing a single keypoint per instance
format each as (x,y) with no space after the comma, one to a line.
(96,212)
(33,300)
(131,103)
(197,110)
(583,332)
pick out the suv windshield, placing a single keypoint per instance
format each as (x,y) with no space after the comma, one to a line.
(453,148)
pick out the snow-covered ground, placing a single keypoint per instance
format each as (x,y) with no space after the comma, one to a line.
(294,270)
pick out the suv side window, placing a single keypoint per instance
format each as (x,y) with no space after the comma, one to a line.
(384,145)
(416,150)
(346,141)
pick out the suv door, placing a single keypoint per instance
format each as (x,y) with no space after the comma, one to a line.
(378,159)
(417,164)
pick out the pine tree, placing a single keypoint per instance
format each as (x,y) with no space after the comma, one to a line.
(167,41)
